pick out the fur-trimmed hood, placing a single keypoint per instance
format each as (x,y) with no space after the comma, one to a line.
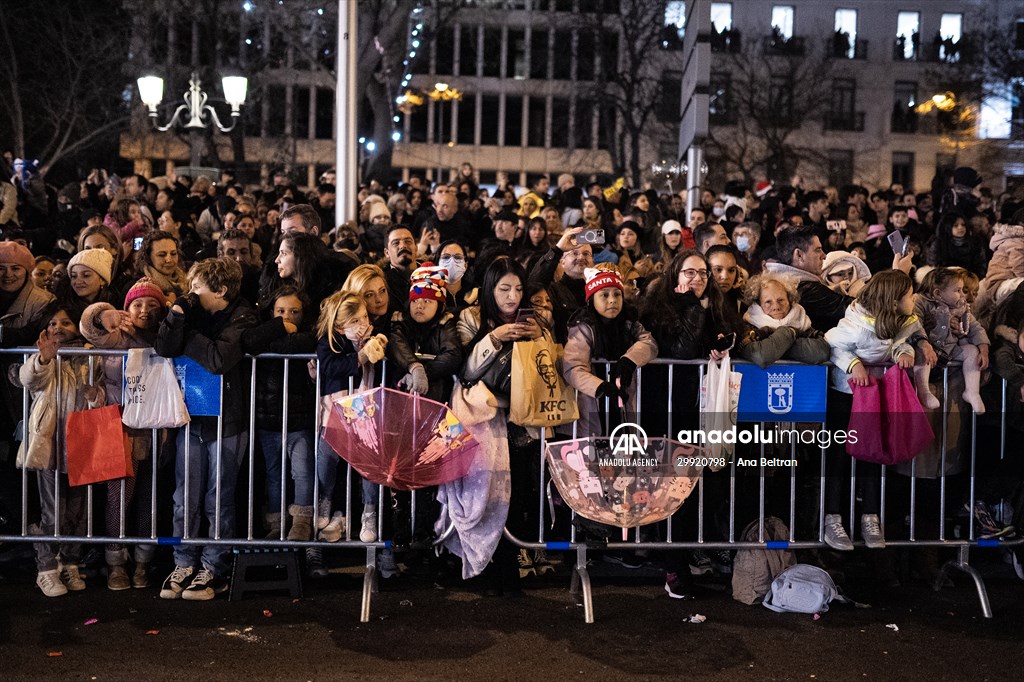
(1004,231)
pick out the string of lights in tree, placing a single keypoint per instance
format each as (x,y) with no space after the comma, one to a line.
(408,100)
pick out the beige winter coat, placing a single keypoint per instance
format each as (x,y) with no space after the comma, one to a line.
(579,373)
(26,311)
(38,448)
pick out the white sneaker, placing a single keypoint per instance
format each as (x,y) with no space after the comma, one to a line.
(368,524)
(835,534)
(49,582)
(871,531)
(71,578)
(176,582)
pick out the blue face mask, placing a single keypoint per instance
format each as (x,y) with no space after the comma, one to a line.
(743,243)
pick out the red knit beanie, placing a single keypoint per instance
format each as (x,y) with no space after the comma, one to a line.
(142,289)
(600,279)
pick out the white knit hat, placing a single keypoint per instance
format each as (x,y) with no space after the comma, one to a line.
(98,260)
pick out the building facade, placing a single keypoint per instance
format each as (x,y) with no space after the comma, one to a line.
(533,77)
(887,113)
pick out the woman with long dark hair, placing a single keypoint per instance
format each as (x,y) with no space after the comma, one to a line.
(303,261)
(533,244)
(685,312)
(480,506)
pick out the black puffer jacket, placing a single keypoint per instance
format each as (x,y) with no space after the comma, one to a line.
(302,400)
(683,328)
(438,338)
(215,342)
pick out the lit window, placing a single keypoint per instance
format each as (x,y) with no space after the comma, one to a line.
(846,27)
(782,20)
(721,16)
(675,15)
(908,37)
(996,117)
(950,33)
(675,25)
(951,26)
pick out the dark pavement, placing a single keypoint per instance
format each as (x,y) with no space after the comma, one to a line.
(421,631)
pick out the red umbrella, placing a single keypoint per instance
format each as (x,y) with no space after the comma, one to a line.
(399,439)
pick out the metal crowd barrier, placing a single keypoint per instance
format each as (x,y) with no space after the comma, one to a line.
(581,583)
(250,539)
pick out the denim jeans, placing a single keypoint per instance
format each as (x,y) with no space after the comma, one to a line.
(300,454)
(73,521)
(202,495)
(327,463)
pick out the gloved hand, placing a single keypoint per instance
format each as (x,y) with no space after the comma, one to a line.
(186,304)
(607,390)
(416,380)
(373,349)
(624,370)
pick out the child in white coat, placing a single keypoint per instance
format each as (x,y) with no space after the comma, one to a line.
(879,327)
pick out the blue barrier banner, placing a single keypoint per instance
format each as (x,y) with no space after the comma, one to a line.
(783,393)
(201,388)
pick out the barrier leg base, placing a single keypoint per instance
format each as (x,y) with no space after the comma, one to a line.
(369,584)
(961,564)
(581,578)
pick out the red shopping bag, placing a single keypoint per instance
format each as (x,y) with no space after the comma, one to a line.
(906,428)
(97,446)
(866,421)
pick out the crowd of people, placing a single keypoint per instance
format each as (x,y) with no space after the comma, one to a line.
(432,280)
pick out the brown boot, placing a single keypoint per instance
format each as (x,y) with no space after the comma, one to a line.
(140,576)
(117,578)
(273,524)
(302,523)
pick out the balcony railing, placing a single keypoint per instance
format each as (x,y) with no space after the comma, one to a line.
(847,121)
(727,41)
(904,121)
(899,51)
(842,48)
(777,46)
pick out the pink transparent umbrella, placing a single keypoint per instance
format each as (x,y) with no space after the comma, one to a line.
(399,439)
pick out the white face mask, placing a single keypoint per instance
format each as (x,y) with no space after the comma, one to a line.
(456,268)
(718,211)
(357,334)
(743,243)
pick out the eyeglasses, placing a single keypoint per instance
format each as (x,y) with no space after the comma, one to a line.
(457,259)
(689,273)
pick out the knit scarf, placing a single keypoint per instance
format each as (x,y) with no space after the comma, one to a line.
(176,284)
(797,318)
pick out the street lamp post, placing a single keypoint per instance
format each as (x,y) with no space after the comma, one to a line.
(151,90)
(442,93)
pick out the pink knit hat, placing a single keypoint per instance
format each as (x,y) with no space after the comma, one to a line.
(15,253)
(142,289)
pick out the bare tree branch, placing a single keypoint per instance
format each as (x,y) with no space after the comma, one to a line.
(772,98)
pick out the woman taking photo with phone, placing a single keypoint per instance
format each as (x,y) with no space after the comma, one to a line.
(480,505)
